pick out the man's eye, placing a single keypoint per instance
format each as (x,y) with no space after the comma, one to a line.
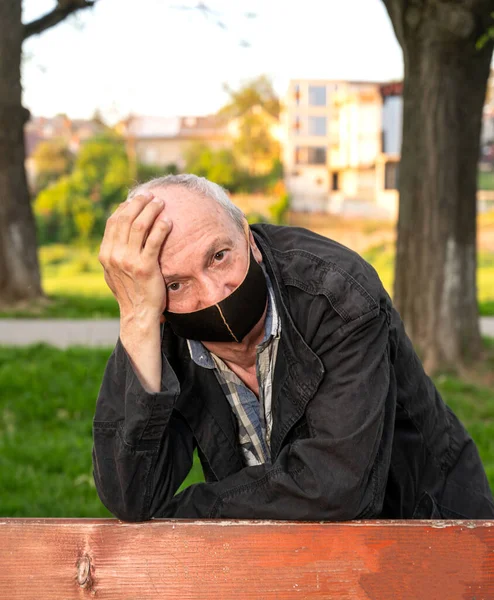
(174,287)
(220,255)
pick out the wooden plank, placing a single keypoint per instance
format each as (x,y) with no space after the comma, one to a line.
(241,560)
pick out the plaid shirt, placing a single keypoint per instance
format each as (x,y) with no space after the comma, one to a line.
(254,416)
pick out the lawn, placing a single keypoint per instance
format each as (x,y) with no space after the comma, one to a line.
(485,180)
(382,259)
(47,399)
(74,282)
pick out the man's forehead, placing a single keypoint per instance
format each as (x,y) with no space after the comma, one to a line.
(179,199)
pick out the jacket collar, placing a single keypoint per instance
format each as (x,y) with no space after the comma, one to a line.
(298,371)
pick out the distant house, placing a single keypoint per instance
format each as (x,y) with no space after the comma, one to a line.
(61,128)
(333,150)
(161,141)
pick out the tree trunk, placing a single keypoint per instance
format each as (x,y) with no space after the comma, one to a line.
(19,270)
(444,91)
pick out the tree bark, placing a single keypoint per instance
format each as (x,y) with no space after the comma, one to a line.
(444,92)
(19,271)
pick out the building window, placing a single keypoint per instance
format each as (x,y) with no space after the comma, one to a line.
(335,181)
(391,174)
(310,155)
(317,95)
(317,126)
(317,155)
(297,94)
(297,126)
(150,156)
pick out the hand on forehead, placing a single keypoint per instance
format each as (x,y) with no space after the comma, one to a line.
(195,219)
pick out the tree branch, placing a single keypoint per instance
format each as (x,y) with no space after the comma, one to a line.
(63,9)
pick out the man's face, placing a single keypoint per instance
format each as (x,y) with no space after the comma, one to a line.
(205,257)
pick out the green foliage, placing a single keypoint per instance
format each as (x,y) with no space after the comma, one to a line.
(147,172)
(77,205)
(52,159)
(254,144)
(255,217)
(47,400)
(219,166)
(253,111)
(101,171)
(279,209)
(486,37)
(223,167)
(257,92)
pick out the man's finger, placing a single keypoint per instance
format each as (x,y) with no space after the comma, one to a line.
(127,216)
(108,236)
(156,238)
(142,225)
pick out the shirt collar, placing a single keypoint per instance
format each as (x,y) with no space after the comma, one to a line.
(201,355)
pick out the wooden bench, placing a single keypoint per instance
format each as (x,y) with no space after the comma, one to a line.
(65,559)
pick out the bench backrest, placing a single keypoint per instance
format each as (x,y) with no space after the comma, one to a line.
(65,559)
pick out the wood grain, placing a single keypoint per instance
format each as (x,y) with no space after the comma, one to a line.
(74,559)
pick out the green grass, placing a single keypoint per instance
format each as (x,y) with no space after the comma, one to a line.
(73,280)
(485,180)
(66,306)
(382,258)
(74,283)
(47,400)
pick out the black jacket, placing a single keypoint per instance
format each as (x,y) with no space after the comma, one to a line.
(359,430)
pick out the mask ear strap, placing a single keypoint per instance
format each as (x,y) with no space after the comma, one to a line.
(247,231)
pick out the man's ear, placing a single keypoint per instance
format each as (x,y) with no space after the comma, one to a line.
(255,250)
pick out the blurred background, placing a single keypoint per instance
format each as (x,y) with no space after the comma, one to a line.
(336,116)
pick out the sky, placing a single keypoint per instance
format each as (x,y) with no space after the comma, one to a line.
(162,58)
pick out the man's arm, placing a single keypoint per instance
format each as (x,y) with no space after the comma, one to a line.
(137,434)
(340,472)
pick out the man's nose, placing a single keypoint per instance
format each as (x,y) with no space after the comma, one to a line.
(211,292)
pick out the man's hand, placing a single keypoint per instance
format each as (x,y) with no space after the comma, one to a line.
(129,255)
(134,236)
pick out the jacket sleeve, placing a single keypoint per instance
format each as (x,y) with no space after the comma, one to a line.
(136,435)
(340,471)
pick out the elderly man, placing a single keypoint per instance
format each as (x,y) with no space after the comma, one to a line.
(277,354)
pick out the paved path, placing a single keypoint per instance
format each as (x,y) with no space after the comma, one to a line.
(59,332)
(487,326)
(92,332)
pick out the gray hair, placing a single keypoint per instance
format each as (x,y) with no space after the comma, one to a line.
(201,186)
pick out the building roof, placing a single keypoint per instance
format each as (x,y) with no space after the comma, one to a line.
(146,127)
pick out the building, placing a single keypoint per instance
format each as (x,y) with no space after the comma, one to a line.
(73,132)
(343,142)
(333,148)
(163,141)
(388,160)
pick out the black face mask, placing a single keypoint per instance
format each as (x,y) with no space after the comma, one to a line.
(231,319)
